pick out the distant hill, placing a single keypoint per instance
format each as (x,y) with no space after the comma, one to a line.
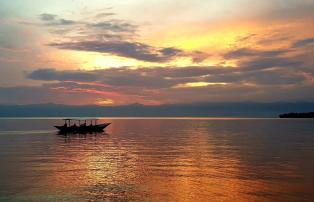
(243,109)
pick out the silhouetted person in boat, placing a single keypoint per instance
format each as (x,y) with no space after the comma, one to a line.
(92,127)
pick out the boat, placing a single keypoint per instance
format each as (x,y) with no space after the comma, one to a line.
(81,128)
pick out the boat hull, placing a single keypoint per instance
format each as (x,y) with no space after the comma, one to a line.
(82,129)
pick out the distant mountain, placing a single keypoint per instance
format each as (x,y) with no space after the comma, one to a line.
(243,109)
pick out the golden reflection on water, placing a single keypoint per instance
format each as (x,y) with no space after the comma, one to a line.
(174,160)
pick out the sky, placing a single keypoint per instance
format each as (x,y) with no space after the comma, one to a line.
(153,52)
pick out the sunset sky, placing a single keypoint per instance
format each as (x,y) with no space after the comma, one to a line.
(154,52)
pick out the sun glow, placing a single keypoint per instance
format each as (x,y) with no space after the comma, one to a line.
(105,102)
(199,84)
(203,36)
(107,61)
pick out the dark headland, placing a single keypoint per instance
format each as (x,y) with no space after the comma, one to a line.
(297,115)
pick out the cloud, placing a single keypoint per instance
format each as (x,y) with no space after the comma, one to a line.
(133,50)
(252,59)
(166,78)
(110,36)
(53,75)
(121,77)
(271,62)
(104,14)
(47,17)
(97,25)
(158,85)
(303,42)
(113,25)
(54,20)
(269,77)
(247,52)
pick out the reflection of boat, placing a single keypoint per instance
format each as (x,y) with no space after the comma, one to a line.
(81,128)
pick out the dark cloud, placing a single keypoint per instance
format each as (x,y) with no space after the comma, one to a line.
(275,77)
(97,25)
(144,77)
(170,51)
(54,20)
(190,72)
(166,78)
(303,42)
(53,75)
(251,59)
(133,50)
(276,38)
(65,22)
(246,52)
(113,25)
(47,17)
(271,77)
(270,62)
(104,14)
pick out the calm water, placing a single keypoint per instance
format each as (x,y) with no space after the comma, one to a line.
(159,160)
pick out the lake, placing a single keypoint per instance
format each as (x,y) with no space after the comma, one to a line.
(159,160)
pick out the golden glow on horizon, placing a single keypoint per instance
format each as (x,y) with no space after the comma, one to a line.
(108,61)
(105,102)
(200,84)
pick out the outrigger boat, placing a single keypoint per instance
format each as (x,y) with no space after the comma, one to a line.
(81,128)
